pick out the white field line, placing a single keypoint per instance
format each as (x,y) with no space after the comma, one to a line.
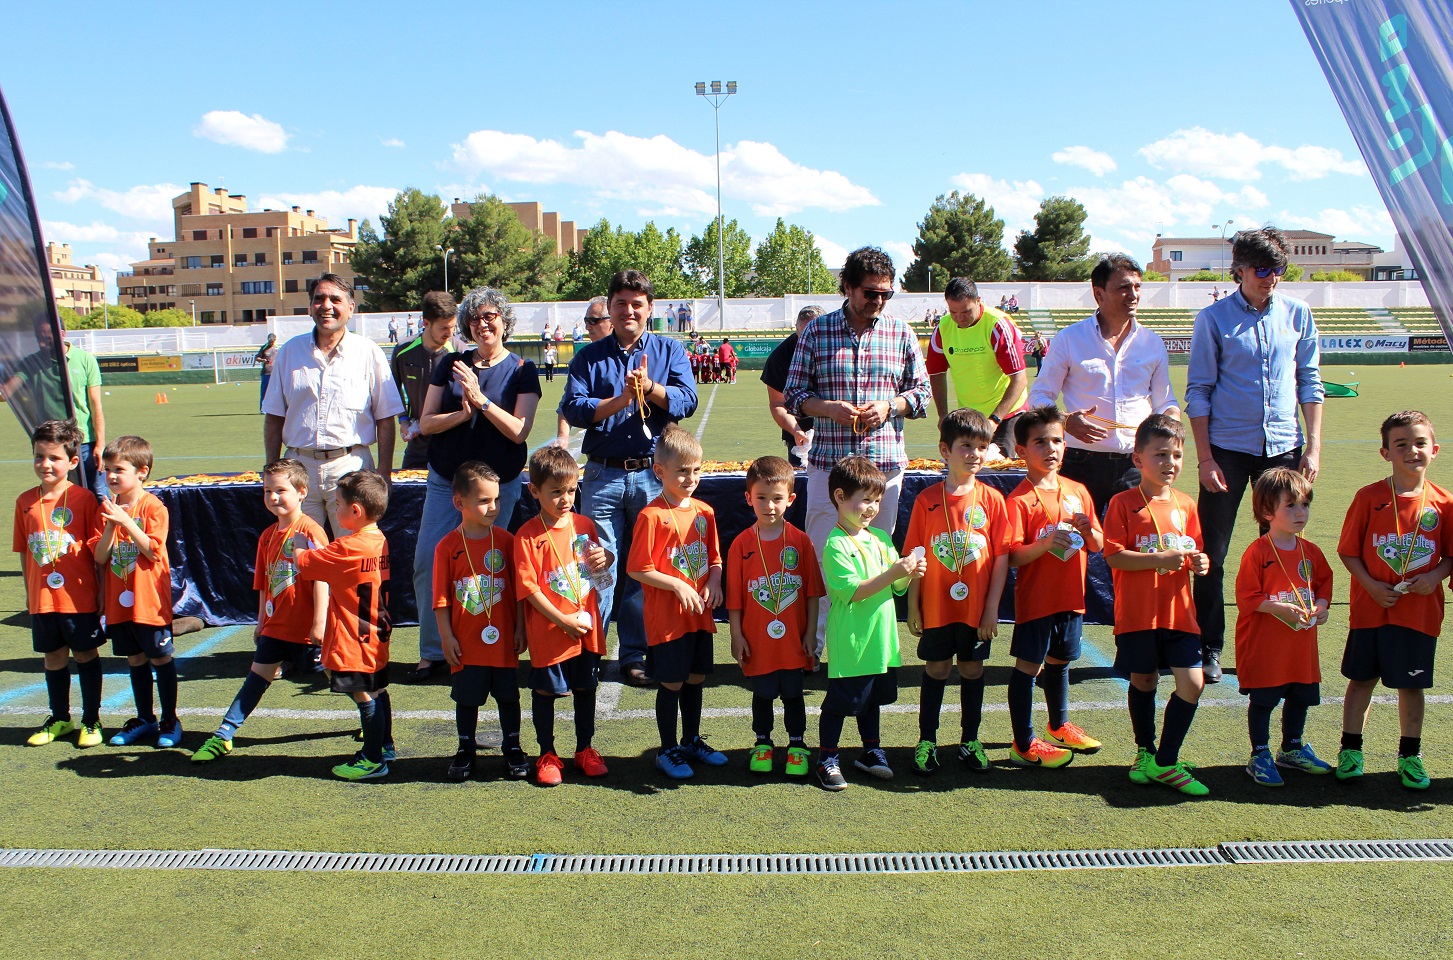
(706,414)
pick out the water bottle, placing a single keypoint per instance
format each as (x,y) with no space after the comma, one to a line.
(603,579)
(800,451)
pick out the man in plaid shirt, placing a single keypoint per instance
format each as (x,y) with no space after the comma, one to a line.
(858,374)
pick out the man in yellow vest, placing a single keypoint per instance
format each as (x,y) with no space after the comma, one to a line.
(984,352)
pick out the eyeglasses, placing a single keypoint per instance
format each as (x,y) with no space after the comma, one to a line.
(1264,272)
(484,318)
(592,321)
(870,294)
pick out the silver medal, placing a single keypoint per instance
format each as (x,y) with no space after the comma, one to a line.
(127,598)
(776,629)
(959,591)
(267,608)
(55,581)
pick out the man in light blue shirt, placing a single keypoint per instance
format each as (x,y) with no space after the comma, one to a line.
(1254,362)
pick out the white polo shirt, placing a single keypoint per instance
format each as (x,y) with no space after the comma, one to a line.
(333,399)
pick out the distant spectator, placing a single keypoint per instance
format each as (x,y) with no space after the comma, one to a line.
(726,360)
(409,329)
(413,365)
(597,325)
(774,376)
(548,358)
(264,356)
(393,330)
(1013,305)
(1004,302)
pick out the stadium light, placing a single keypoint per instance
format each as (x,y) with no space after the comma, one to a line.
(440,248)
(716,98)
(1222,227)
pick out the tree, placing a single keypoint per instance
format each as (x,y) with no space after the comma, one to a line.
(605,251)
(116,316)
(72,320)
(1057,248)
(736,254)
(959,237)
(1152,276)
(402,265)
(787,259)
(1207,276)
(171,317)
(493,248)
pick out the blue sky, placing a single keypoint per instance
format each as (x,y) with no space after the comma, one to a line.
(850,119)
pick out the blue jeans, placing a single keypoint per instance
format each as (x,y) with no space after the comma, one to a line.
(435,521)
(91,476)
(612,498)
(262,394)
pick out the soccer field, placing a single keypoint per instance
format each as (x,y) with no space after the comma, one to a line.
(274,792)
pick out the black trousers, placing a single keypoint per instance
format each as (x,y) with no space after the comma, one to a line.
(1103,474)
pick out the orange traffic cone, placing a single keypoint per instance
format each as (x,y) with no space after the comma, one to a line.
(1402,363)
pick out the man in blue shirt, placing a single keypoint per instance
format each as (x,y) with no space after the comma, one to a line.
(623,390)
(1254,362)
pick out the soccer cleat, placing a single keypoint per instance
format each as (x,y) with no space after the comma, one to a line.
(1303,759)
(549,771)
(830,774)
(390,753)
(168,734)
(874,762)
(1414,775)
(972,756)
(360,768)
(699,751)
(799,760)
(135,729)
(588,762)
(214,747)
(51,731)
(1177,777)
(90,735)
(1138,772)
(1262,769)
(1071,737)
(1349,764)
(925,758)
(672,762)
(761,761)
(1040,754)
(461,768)
(517,765)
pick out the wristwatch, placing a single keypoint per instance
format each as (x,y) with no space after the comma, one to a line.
(996,420)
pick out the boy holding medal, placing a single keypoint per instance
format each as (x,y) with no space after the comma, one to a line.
(289,615)
(772,587)
(1397,543)
(954,610)
(557,554)
(675,556)
(1053,526)
(138,587)
(1153,545)
(474,605)
(55,527)
(1283,590)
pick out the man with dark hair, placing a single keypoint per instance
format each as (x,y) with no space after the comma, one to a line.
(1255,360)
(623,390)
(413,364)
(985,359)
(597,327)
(774,375)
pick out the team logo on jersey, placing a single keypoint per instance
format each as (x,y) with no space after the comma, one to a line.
(959,548)
(1304,570)
(690,559)
(700,525)
(472,592)
(61,516)
(494,561)
(1150,543)
(977,517)
(1428,519)
(789,558)
(48,546)
(785,585)
(1406,554)
(123,558)
(281,575)
(573,585)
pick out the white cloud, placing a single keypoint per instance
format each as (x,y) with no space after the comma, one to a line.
(1239,156)
(236,129)
(148,202)
(1359,223)
(1095,161)
(1140,202)
(337,206)
(99,243)
(392,142)
(58,165)
(1015,203)
(660,175)
(833,254)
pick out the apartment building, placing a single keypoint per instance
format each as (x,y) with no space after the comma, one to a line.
(81,289)
(566,236)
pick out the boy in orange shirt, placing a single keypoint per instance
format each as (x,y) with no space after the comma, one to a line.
(138,586)
(1153,544)
(55,529)
(1283,590)
(772,586)
(1397,542)
(556,554)
(290,615)
(474,605)
(1053,527)
(963,528)
(355,644)
(675,555)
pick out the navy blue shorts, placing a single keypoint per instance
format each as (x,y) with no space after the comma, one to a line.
(675,660)
(850,696)
(952,640)
(129,638)
(273,650)
(1306,694)
(786,684)
(580,672)
(50,632)
(356,681)
(472,686)
(1401,657)
(1057,635)
(1150,651)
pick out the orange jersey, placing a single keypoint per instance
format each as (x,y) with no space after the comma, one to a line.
(472,581)
(1148,599)
(356,570)
(962,537)
(55,538)
(770,581)
(679,542)
(1050,584)
(1270,652)
(1395,546)
(139,590)
(552,563)
(287,606)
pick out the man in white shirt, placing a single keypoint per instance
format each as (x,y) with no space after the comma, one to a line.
(1113,373)
(331,398)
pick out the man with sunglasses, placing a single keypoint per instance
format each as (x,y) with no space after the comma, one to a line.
(597,325)
(1254,361)
(984,357)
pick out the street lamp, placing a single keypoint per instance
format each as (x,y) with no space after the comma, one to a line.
(809,263)
(194,311)
(1222,227)
(716,97)
(440,248)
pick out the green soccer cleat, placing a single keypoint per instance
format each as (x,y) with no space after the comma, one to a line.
(51,731)
(1303,759)
(1177,777)
(1414,775)
(1349,764)
(799,761)
(360,768)
(973,757)
(90,736)
(1138,772)
(925,758)
(214,747)
(761,761)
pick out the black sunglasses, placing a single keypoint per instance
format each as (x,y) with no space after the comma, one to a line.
(1264,272)
(592,321)
(871,294)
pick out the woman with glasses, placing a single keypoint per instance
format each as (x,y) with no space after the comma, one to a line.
(1254,364)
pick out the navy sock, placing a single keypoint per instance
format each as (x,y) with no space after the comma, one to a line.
(372,741)
(1142,716)
(1178,716)
(253,687)
(1351,741)
(691,700)
(542,706)
(1021,707)
(90,674)
(1054,680)
(166,688)
(668,705)
(466,722)
(1293,725)
(1258,725)
(58,692)
(794,718)
(1410,746)
(870,725)
(584,718)
(385,716)
(762,718)
(930,705)
(141,692)
(830,732)
(971,695)
(509,721)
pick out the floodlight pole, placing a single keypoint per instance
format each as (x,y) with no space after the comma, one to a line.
(716,97)
(1222,227)
(440,248)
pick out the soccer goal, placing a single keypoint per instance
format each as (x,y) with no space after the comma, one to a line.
(233,364)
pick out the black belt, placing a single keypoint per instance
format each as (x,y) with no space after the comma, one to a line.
(1100,453)
(633,463)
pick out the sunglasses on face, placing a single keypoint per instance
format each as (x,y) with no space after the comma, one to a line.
(592,321)
(484,318)
(1264,272)
(869,293)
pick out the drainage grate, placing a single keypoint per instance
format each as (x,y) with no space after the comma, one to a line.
(1338,851)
